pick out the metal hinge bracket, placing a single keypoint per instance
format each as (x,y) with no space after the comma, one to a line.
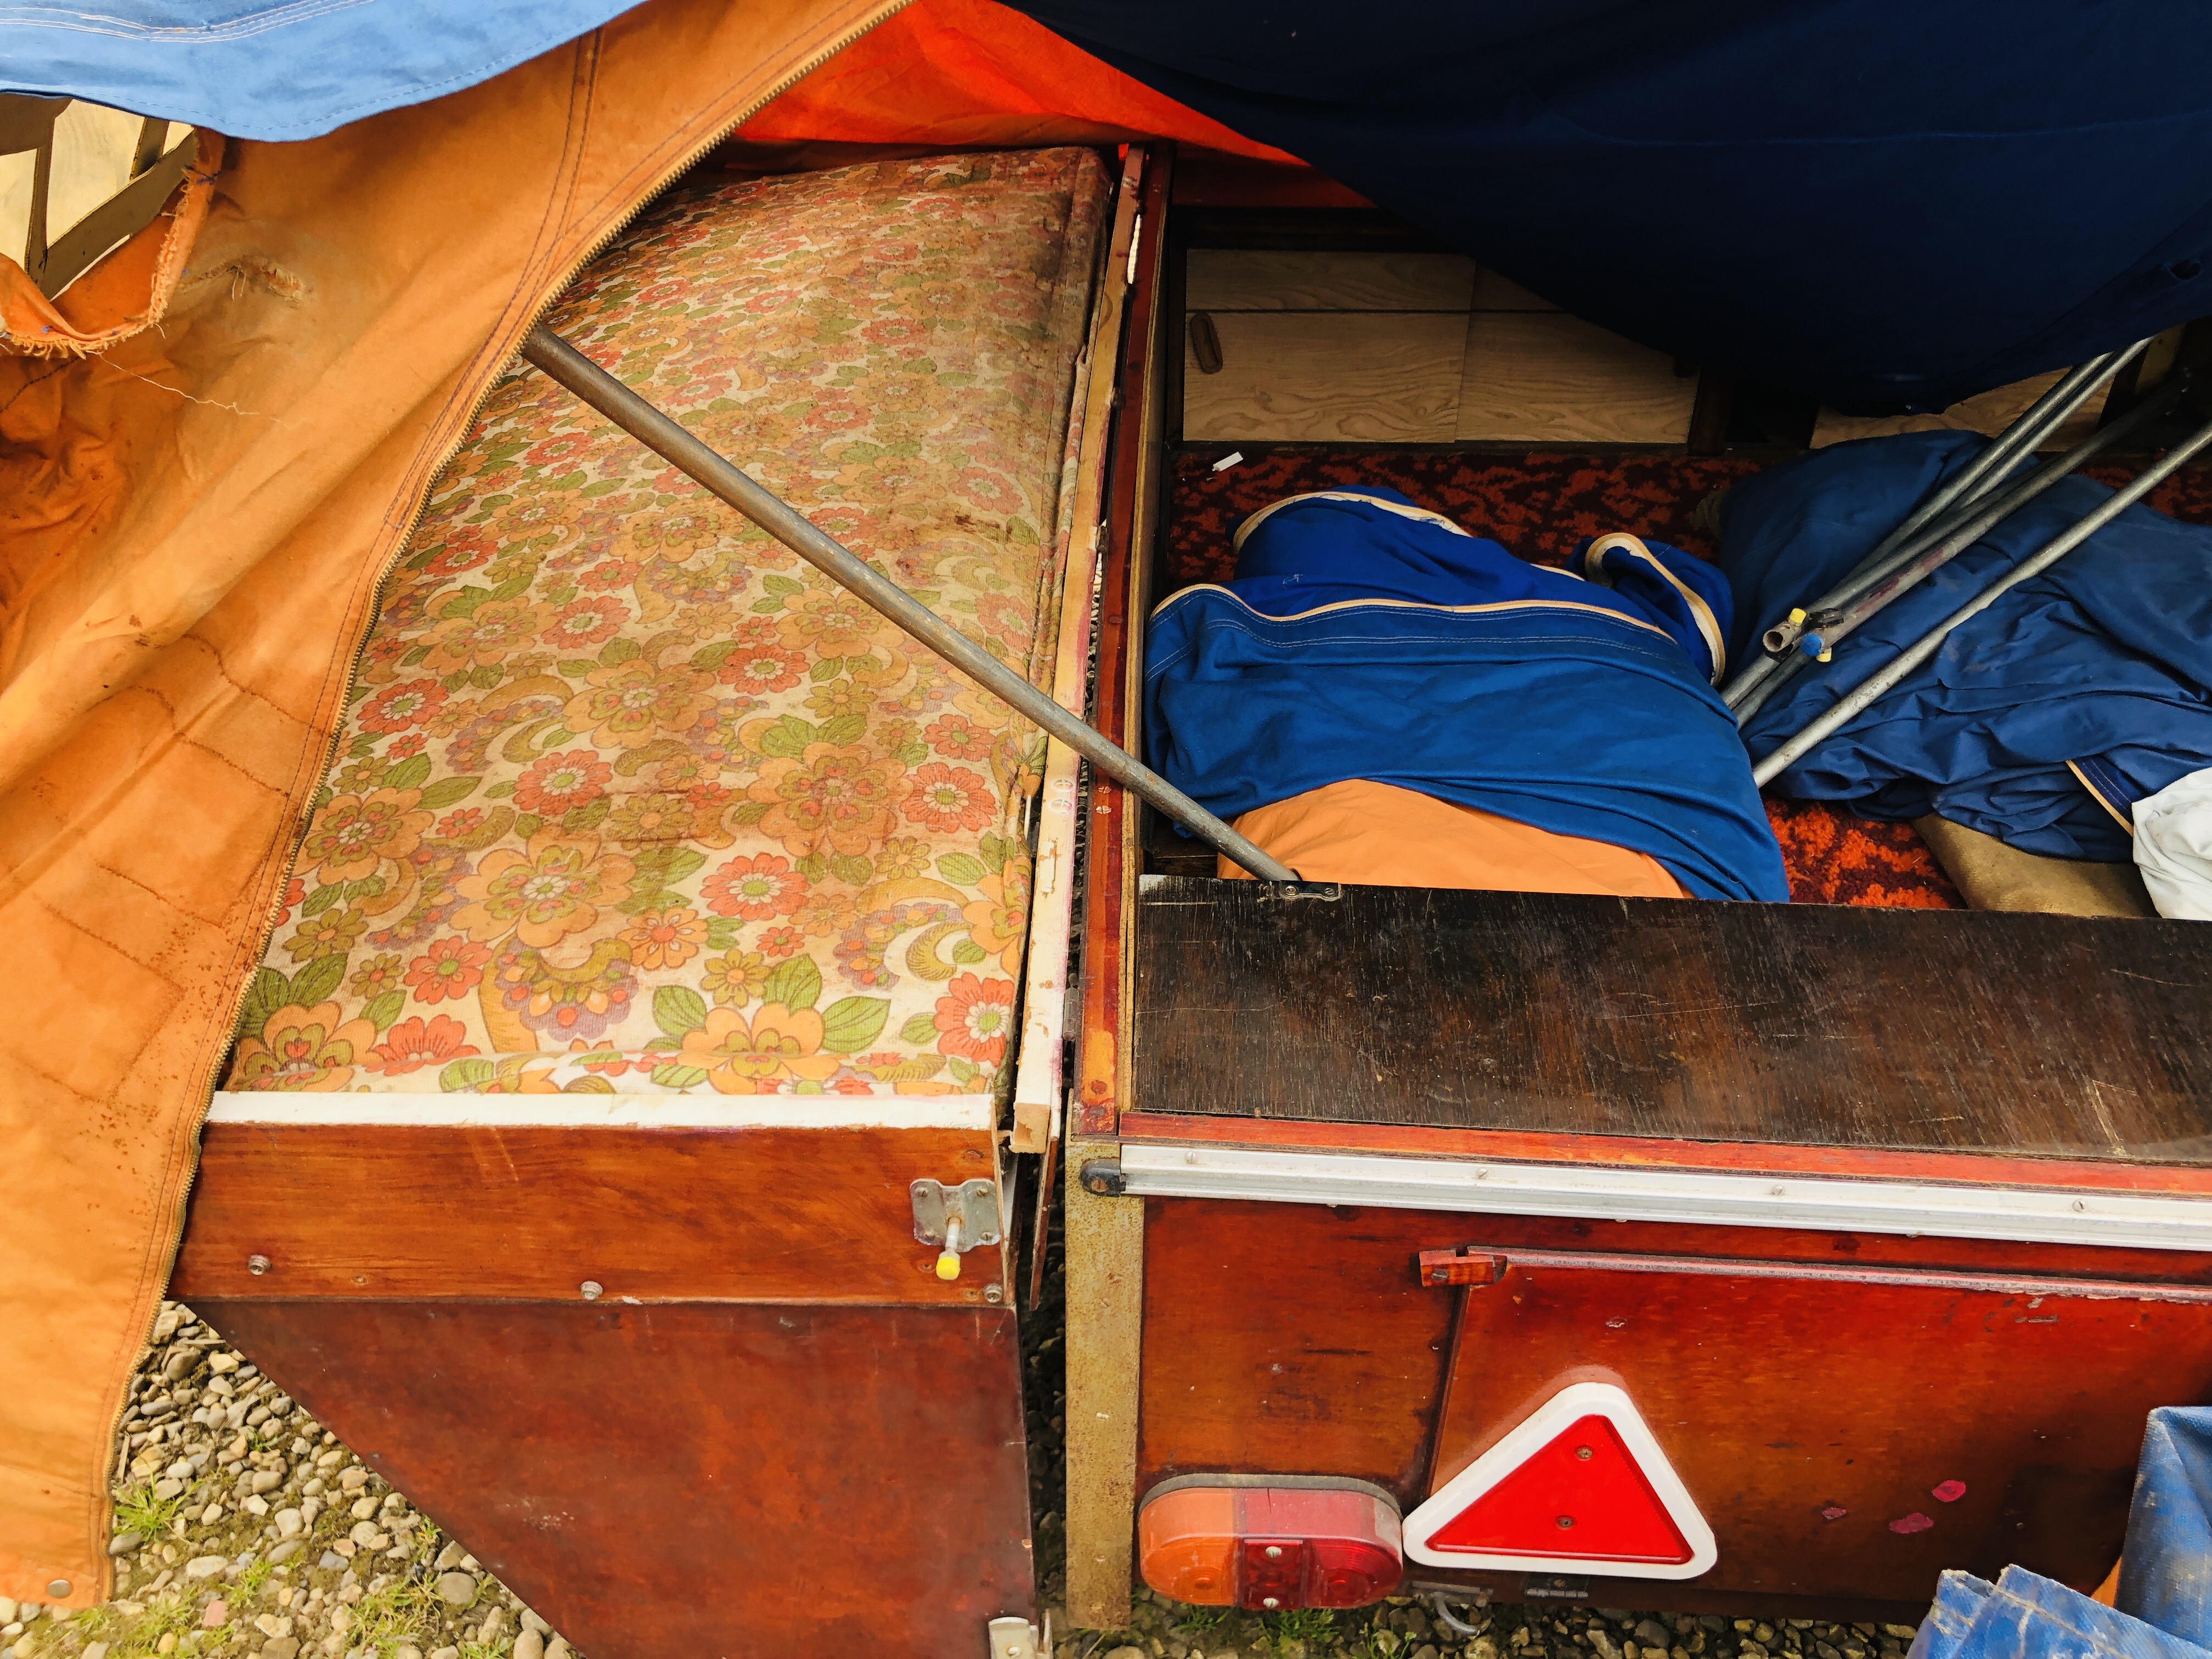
(955,1218)
(1014,1638)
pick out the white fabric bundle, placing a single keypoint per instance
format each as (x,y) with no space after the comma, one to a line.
(2173,846)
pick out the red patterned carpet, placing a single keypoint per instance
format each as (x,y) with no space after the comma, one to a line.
(1540,505)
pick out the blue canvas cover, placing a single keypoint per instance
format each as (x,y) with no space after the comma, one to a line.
(1365,637)
(294,69)
(1882,202)
(2100,668)
(2162,1609)
(2166,1575)
(2024,1615)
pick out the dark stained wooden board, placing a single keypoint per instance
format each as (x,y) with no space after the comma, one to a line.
(675,1481)
(377,1211)
(2029,1036)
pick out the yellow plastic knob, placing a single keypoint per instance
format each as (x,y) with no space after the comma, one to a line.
(948,1266)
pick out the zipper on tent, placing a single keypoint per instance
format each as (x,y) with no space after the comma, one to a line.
(622,223)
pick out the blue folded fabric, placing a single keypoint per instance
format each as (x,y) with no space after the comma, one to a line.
(1367,638)
(2024,1615)
(2167,1575)
(2041,720)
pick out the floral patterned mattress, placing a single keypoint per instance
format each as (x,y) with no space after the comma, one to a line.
(627,798)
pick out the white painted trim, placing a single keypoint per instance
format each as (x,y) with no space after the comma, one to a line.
(2144,1221)
(1542,1426)
(632,1111)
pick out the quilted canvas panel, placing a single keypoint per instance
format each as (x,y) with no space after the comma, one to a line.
(627,796)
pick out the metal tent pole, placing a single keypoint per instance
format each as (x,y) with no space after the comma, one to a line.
(1932,519)
(1910,566)
(661,433)
(1864,697)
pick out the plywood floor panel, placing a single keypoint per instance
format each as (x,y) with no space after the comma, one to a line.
(1545,377)
(1271,279)
(1316,377)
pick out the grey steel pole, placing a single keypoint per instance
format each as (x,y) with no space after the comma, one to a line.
(1979,477)
(666,438)
(1910,566)
(1869,587)
(1863,695)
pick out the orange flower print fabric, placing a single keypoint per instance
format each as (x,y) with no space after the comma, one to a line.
(629,798)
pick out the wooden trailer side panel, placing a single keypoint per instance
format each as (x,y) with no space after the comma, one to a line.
(677,1480)
(1828,1371)
(1845,1433)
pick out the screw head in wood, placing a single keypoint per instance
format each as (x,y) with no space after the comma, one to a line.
(591,1290)
(995,1293)
(257,1265)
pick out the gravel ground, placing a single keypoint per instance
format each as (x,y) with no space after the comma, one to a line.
(244,1528)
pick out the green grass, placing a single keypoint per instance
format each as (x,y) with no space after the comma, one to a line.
(142,1513)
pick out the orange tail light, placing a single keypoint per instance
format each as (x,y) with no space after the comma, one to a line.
(1269,1541)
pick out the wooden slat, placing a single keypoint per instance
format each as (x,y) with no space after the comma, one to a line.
(818,1215)
(1253,279)
(1550,378)
(1977,1032)
(849,1480)
(1316,377)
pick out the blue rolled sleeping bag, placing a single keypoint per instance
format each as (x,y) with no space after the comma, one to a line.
(1366,637)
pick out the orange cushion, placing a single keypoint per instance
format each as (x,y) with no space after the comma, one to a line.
(1377,835)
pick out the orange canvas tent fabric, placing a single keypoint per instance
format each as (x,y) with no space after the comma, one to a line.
(196,514)
(957,74)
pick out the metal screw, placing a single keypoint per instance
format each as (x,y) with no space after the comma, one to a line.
(1582,1453)
(592,1290)
(995,1293)
(1566,1521)
(1274,1551)
(257,1265)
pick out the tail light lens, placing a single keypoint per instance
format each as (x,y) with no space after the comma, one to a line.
(1270,1542)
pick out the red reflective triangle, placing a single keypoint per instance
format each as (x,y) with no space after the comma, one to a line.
(1582,1494)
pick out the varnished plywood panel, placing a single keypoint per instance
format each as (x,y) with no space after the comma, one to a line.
(355,1210)
(847,1480)
(1271,279)
(1291,1338)
(1312,377)
(1977,1427)
(1545,377)
(1962,1031)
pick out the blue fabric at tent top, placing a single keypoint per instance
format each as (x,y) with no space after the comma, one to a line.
(2102,665)
(1367,638)
(1883,203)
(287,70)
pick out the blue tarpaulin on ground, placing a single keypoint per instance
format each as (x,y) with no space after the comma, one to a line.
(291,70)
(2100,668)
(2162,1605)
(1880,202)
(1365,638)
